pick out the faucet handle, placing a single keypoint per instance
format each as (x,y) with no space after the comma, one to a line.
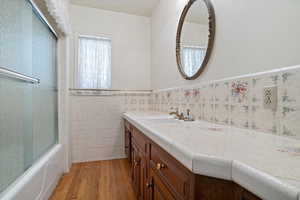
(189,117)
(181,116)
(176,113)
(188,111)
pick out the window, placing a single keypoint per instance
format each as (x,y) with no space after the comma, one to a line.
(94,63)
(192,59)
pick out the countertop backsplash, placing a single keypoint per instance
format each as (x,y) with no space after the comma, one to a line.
(235,101)
(238,101)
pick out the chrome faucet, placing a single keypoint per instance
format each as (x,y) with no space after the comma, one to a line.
(188,116)
(181,116)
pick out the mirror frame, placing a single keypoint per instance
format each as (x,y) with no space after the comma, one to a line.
(211,37)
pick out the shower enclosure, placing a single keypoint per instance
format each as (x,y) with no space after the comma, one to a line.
(28,89)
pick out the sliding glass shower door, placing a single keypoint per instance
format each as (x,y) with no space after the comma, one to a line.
(45,93)
(28,89)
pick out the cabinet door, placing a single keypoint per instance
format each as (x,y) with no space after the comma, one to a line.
(248,196)
(144,178)
(242,194)
(157,190)
(139,174)
(128,144)
(136,171)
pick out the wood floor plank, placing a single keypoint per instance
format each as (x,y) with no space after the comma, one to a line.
(65,183)
(101,180)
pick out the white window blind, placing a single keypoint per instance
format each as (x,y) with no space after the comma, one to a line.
(192,59)
(94,63)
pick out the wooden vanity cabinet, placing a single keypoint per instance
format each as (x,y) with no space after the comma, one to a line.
(157,190)
(144,180)
(242,194)
(136,170)
(140,173)
(127,130)
(172,173)
(156,175)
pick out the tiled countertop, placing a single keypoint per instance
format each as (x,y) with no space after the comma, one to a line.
(265,164)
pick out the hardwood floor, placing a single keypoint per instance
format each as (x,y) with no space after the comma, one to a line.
(101,180)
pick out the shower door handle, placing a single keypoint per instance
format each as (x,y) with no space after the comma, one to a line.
(15,75)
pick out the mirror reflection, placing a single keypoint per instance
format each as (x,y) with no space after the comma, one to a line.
(194,38)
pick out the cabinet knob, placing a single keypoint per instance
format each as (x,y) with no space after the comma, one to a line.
(136,163)
(160,166)
(149,185)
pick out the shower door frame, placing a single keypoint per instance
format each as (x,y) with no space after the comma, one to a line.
(62,63)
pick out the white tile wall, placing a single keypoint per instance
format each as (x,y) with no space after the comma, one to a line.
(238,101)
(96,123)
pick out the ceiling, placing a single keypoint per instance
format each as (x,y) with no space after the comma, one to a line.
(136,7)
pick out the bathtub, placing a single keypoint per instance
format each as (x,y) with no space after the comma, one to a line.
(39,181)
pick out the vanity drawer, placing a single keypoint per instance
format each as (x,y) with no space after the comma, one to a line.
(173,173)
(140,140)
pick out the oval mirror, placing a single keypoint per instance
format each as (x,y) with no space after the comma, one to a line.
(195,38)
